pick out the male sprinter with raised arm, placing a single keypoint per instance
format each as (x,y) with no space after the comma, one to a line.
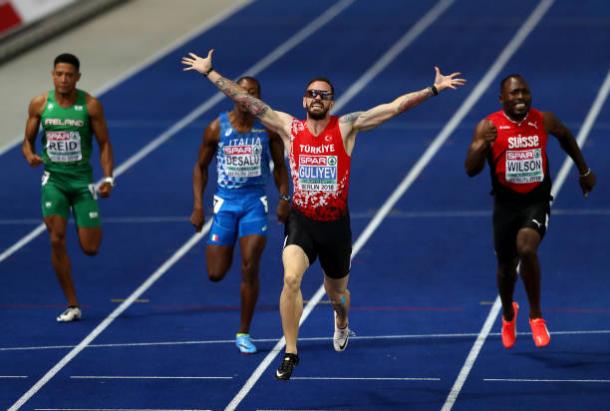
(320,148)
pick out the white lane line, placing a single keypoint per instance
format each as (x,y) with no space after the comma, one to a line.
(398,47)
(386,59)
(265,62)
(266,340)
(493,314)
(110,318)
(117,409)
(284,48)
(22,242)
(301,409)
(367,378)
(491,74)
(543,380)
(495,310)
(395,213)
(179,42)
(7,377)
(584,133)
(147,377)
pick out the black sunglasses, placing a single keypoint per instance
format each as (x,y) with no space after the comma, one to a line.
(324,95)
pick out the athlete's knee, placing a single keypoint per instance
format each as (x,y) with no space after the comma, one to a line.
(338,300)
(58,239)
(527,251)
(90,249)
(217,267)
(507,269)
(215,275)
(292,282)
(249,269)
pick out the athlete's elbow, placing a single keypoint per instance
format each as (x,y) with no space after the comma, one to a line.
(471,171)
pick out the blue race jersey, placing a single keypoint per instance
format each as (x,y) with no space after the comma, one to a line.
(242,158)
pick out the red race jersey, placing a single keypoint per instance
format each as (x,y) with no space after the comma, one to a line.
(518,158)
(320,169)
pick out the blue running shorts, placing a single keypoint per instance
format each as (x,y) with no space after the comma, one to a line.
(238,216)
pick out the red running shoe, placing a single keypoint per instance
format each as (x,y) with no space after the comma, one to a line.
(540,333)
(509,329)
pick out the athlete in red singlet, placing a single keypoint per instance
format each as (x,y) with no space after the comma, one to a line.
(320,149)
(514,141)
(320,171)
(518,156)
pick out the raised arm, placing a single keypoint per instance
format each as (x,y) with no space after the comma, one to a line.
(28,148)
(209,145)
(100,129)
(275,120)
(568,143)
(366,120)
(484,135)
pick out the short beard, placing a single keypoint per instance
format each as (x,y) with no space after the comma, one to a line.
(317,115)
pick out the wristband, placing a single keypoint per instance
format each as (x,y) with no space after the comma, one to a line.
(434,90)
(208,72)
(109,180)
(285,197)
(586,173)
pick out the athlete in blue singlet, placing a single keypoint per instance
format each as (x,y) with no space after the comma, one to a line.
(242,147)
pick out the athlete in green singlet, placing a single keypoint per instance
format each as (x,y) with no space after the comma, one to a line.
(69,118)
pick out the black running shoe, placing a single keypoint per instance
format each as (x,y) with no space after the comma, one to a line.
(288,363)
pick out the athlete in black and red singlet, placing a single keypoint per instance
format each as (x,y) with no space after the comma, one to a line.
(513,141)
(320,149)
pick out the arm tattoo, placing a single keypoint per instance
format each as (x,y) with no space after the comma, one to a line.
(255,106)
(350,118)
(232,90)
(413,99)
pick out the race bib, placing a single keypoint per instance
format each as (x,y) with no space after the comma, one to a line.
(242,161)
(524,166)
(64,146)
(318,173)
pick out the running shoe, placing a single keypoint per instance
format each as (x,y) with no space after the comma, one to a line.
(244,343)
(540,333)
(285,369)
(71,313)
(509,329)
(341,336)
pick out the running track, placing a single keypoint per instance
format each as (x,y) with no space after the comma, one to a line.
(158,335)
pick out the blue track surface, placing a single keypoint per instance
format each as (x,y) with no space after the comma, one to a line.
(423,283)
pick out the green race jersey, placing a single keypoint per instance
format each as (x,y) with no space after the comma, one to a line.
(67,135)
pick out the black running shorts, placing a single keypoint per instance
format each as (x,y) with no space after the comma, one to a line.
(509,218)
(330,240)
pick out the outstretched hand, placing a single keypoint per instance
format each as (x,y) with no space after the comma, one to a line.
(200,64)
(442,82)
